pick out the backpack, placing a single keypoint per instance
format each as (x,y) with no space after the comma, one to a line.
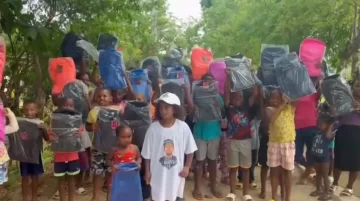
(140,82)
(107,42)
(2,57)
(70,49)
(112,69)
(75,91)
(311,53)
(200,61)
(105,138)
(153,66)
(217,69)
(62,71)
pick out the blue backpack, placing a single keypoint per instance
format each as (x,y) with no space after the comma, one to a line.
(112,69)
(176,73)
(140,82)
(126,184)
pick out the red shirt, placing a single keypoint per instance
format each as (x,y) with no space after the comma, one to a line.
(125,156)
(66,157)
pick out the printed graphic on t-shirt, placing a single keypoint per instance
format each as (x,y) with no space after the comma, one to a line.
(169,160)
(320,145)
(24,136)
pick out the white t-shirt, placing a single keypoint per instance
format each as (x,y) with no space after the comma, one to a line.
(165,148)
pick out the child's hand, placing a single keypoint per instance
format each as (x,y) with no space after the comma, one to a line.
(52,137)
(115,168)
(184,172)
(42,126)
(147,177)
(228,71)
(78,133)
(8,112)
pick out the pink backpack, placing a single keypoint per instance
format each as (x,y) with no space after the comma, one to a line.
(217,69)
(311,53)
(2,122)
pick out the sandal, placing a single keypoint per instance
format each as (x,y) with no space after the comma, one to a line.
(347,192)
(325,197)
(217,194)
(230,197)
(81,191)
(56,196)
(197,195)
(253,185)
(333,188)
(239,186)
(316,193)
(247,198)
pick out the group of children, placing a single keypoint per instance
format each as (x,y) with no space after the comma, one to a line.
(165,157)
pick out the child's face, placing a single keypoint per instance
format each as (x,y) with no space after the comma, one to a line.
(356,88)
(236,99)
(166,111)
(85,78)
(140,98)
(125,137)
(323,126)
(31,110)
(68,104)
(118,96)
(103,97)
(275,98)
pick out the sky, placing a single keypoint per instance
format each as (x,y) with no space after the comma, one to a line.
(184,9)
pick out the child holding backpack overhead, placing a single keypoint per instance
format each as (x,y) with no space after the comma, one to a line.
(281,146)
(239,153)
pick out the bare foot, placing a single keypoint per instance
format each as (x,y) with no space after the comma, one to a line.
(262,195)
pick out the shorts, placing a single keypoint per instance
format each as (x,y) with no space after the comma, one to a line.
(207,149)
(99,163)
(322,159)
(84,161)
(31,169)
(281,154)
(3,173)
(71,168)
(239,153)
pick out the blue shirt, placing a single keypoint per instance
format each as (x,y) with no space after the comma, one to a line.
(210,130)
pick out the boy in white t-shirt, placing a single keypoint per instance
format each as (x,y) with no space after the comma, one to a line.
(167,140)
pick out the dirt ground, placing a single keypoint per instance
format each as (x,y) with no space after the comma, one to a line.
(299,193)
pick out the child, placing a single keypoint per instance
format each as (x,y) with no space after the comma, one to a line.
(167,140)
(281,146)
(66,165)
(98,164)
(124,152)
(31,171)
(321,155)
(207,137)
(239,153)
(4,157)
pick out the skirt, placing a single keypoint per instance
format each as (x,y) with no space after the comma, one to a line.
(347,149)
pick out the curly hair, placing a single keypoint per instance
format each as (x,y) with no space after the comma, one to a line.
(179,112)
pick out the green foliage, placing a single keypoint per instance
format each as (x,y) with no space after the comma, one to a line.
(234,26)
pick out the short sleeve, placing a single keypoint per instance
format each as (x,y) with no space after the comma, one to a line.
(92,117)
(146,148)
(190,145)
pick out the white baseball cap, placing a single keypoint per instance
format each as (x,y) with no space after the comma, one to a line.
(169,98)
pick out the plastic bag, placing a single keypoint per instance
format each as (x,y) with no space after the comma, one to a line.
(126,184)
(173,58)
(75,90)
(105,138)
(241,77)
(26,144)
(293,77)
(205,97)
(139,118)
(140,82)
(89,48)
(174,86)
(268,54)
(65,125)
(337,94)
(107,42)
(176,73)
(153,65)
